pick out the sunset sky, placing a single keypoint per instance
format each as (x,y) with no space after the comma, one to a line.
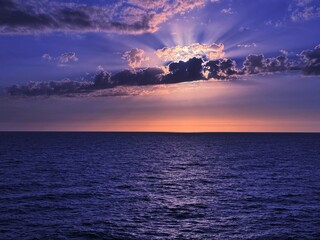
(166,65)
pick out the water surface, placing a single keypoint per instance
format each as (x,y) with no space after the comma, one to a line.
(159,186)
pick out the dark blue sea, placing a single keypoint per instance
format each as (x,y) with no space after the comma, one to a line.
(159,186)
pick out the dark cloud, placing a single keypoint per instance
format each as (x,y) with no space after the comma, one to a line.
(62,87)
(124,16)
(311,59)
(12,17)
(253,64)
(192,70)
(149,76)
(75,18)
(220,69)
(258,64)
(277,64)
(185,71)
(102,80)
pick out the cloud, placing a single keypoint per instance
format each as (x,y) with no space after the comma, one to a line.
(275,23)
(247,45)
(258,64)
(135,57)
(305,14)
(244,29)
(227,11)
(184,53)
(311,60)
(276,64)
(190,70)
(183,71)
(62,87)
(253,64)
(102,79)
(148,76)
(149,4)
(302,3)
(124,16)
(63,59)
(47,57)
(220,69)
(304,10)
(284,52)
(68,57)
(193,69)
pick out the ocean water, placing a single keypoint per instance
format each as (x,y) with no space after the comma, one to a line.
(159,186)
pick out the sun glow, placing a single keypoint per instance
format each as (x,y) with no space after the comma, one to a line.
(184,53)
(183,39)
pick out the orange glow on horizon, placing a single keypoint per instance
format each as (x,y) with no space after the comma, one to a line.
(200,125)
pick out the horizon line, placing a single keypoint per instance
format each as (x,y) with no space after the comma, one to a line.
(167,132)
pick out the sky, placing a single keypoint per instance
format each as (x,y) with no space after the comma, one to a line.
(165,65)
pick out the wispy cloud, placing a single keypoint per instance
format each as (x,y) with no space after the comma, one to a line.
(275,23)
(227,11)
(247,45)
(304,10)
(284,52)
(61,60)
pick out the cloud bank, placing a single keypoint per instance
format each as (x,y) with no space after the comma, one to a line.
(124,16)
(62,87)
(194,69)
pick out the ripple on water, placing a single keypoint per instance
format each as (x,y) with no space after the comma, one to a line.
(159,186)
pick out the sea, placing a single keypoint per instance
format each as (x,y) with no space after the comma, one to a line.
(159,185)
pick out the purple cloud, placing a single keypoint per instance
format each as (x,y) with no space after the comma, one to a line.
(135,57)
(184,53)
(311,60)
(124,16)
(304,10)
(247,45)
(61,60)
(193,69)
(259,64)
